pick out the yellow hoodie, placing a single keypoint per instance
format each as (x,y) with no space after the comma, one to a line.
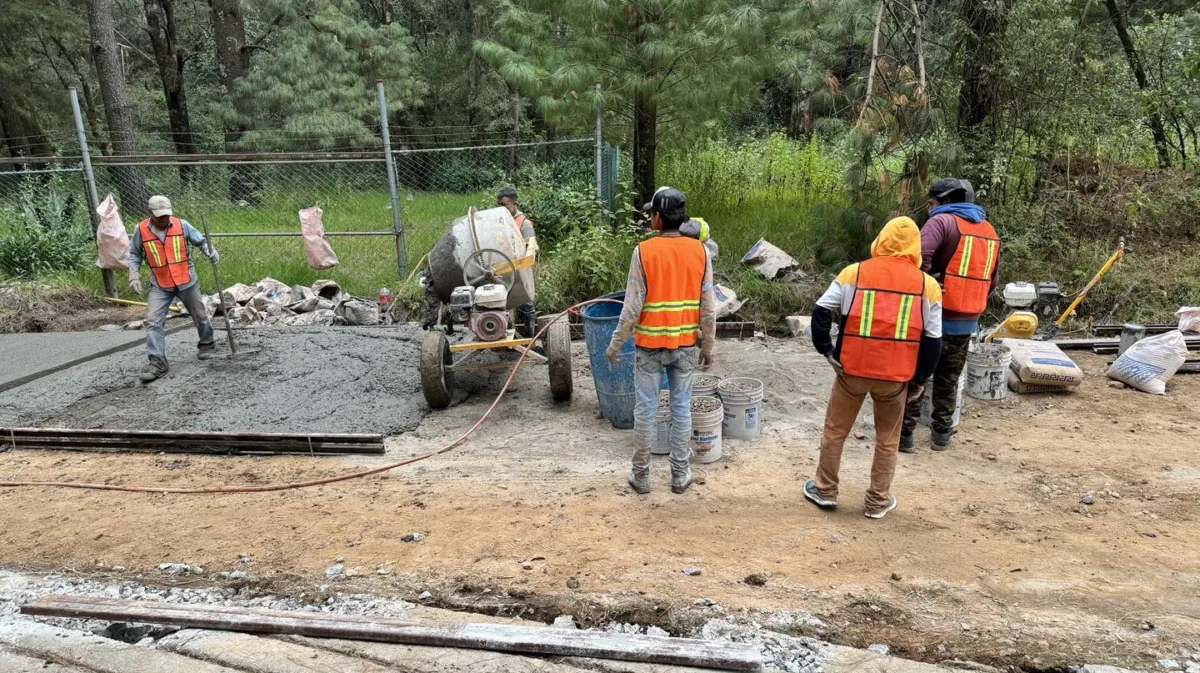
(899,238)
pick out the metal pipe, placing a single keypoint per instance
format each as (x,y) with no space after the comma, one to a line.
(89,186)
(220,291)
(397,224)
(268,234)
(599,149)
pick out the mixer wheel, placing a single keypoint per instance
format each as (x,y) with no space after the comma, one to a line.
(437,382)
(558,352)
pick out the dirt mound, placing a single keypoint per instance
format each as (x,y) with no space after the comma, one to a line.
(29,307)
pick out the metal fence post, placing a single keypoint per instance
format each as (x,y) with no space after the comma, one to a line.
(89,186)
(599,149)
(397,224)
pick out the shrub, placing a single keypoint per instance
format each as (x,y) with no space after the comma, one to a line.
(30,251)
(586,265)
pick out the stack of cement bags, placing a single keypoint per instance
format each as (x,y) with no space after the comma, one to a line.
(271,302)
(1040,367)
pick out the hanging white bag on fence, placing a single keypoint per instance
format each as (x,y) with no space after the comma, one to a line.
(1148,364)
(111,238)
(320,255)
(1189,319)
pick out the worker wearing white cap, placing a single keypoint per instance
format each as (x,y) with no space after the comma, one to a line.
(162,240)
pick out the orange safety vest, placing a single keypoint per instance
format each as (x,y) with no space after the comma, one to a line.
(168,260)
(521,220)
(883,329)
(674,267)
(968,280)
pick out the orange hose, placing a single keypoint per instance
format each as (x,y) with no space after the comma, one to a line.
(314,482)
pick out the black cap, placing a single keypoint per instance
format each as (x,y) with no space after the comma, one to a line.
(510,192)
(953,190)
(669,203)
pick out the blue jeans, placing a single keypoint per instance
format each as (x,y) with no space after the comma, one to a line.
(158,302)
(679,364)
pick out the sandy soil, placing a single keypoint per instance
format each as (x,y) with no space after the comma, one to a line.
(991,556)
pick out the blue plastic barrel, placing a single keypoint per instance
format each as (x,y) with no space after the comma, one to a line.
(614,383)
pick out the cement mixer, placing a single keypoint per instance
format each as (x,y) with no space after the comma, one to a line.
(482,269)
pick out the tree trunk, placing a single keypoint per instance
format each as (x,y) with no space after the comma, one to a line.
(233,63)
(131,184)
(168,54)
(23,133)
(987,21)
(1139,73)
(514,132)
(645,146)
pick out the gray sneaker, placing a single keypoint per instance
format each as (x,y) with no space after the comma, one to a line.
(640,483)
(940,441)
(681,480)
(879,514)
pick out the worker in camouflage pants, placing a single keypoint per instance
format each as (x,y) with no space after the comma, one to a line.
(944,385)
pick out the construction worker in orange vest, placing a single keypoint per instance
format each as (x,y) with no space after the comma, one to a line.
(960,249)
(890,334)
(162,241)
(526,313)
(670,311)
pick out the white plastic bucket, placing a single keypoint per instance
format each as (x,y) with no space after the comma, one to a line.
(662,440)
(987,371)
(743,401)
(927,401)
(708,415)
(705,385)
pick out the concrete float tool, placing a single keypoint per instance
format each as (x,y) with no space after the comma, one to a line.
(234,353)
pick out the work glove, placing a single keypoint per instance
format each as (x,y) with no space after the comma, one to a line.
(706,359)
(213,255)
(837,366)
(135,283)
(915,391)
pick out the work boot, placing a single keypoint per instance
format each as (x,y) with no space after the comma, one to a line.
(640,483)
(526,322)
(155,369)
(940,441)
(906,443)
(681,480)
(206,351)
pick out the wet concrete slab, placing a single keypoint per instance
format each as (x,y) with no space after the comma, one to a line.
(30,356)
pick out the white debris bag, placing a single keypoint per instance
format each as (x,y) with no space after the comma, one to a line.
(1148,364)
(111,238)
(355,311)
(769,260)
(1042,363)
(727,301)
(1189,319)
(320,255)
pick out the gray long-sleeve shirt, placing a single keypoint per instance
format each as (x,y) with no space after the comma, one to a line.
(137,251)
(635,300)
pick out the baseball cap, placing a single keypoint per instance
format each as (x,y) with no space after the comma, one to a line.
(946,187)
(668,201)
(160,205)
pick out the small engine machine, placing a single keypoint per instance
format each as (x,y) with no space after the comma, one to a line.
(1029,303)
(482,309)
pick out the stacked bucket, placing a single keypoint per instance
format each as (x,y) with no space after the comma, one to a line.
(720,408)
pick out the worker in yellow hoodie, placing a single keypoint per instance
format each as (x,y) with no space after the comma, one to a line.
(889,315)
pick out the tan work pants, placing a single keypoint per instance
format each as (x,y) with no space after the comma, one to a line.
(844,404)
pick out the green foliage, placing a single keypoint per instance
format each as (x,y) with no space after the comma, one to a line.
(39,234)
(464,176)
(591,263)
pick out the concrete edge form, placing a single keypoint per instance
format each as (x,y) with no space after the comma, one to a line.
(95,653)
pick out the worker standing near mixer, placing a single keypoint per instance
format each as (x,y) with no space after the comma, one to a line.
(162,240)
(961,250)
(889,338)
(526,313)
(670,311)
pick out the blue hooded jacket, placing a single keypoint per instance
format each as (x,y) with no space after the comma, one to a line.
(968,211)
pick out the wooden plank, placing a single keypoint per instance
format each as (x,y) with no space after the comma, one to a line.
(496,637)
(488,345)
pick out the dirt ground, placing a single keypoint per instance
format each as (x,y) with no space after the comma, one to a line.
(991,556)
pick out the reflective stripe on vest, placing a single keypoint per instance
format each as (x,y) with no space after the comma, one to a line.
(169,261)
(674,268)
(968,280)
(884,326)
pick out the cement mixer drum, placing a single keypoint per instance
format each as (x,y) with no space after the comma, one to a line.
(493,228)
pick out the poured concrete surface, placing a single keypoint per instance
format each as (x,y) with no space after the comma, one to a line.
(94,653)
(23,357)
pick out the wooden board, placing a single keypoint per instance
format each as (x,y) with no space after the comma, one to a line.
(495,637)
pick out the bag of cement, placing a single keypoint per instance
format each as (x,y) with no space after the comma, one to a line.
(111,239)
(769,260)
(240,293)
(322,318)
(327,289)
(304,305)
(244,315)
(1016,385)
(1148,364)
(355,311)
(300,293)
(1042,363)
(1189,319)
(212,304)
(727,301)
(275,291)
(320,255)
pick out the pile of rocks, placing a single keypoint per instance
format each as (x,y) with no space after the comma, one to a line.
(272,302)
